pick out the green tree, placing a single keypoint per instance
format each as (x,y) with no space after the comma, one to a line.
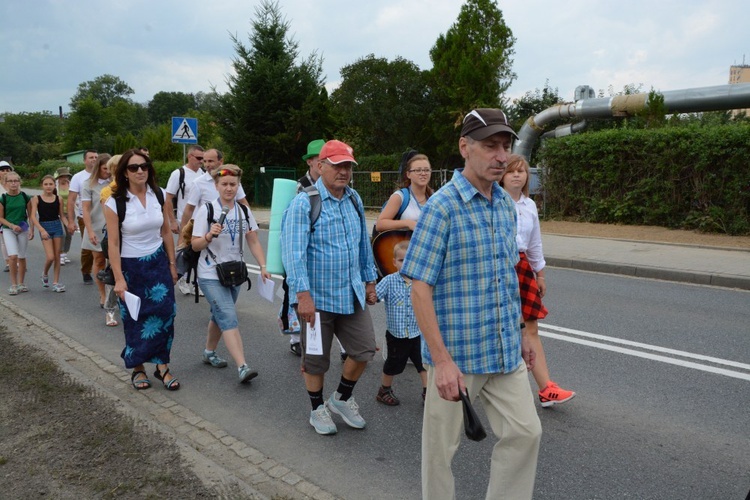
(105,89)
(471,68)
(382,106)
(164,105)
(274,103)
(31,137)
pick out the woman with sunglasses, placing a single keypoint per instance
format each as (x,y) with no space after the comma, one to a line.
(220,242)
(143,263)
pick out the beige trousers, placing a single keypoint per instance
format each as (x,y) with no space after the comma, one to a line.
(509,405)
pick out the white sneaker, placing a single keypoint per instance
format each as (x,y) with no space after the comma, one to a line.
(184,286)
(348,410)
(321,420)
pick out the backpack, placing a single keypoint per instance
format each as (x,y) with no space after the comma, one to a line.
(315,205)
(186,259)
(405,199)
(181,186)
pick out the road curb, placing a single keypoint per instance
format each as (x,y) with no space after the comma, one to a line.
(221,461)
(678,276)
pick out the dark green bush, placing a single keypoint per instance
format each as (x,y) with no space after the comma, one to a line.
(685,177)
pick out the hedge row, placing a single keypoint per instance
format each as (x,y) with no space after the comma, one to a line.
(684,177)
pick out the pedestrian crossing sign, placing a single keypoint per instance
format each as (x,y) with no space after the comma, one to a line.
(184,130)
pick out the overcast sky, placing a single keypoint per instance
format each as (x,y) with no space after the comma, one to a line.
(48,47)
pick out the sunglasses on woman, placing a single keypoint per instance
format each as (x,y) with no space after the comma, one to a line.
(142,166)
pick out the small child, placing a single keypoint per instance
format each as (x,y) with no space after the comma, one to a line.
(14,216)
(47,215)
(403,338)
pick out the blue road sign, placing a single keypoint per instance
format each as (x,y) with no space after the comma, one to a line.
(184,130)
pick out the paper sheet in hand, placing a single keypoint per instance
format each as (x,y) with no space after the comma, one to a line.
(265,289)
(314,338)
(133,303)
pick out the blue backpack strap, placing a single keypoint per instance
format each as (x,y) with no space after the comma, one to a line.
(406,195)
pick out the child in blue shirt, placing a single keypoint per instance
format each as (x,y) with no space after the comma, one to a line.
(403,338)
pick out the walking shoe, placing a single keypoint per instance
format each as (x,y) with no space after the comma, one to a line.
(387,397)
(552,395)
(45,281)
(67,260)
(58,287)
(296,348)
(213,359)
(349,410)
(87,279)
(22,288)
(7,268)
(12,290)
(62,260)
(321,420)
(184,286)
(246,374)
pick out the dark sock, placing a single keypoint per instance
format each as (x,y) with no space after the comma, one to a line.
(424,391)
(316,398)
(345,388)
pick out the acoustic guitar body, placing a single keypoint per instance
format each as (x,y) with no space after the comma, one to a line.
(382,249)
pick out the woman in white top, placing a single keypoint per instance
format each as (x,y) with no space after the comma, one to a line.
(93,218)
(143,263)
(530,269)
(224,242)
(415,177)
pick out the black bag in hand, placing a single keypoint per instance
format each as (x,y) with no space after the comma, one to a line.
(472,426)
(106,276)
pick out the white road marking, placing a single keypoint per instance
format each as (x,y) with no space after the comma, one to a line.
(646,355)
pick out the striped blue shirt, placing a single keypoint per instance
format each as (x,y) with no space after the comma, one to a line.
(396,293)
(333,261)
(464,246)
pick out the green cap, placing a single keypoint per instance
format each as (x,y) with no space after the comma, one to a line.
(313,149)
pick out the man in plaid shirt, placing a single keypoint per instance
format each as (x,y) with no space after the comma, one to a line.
(331,272)
(461,260)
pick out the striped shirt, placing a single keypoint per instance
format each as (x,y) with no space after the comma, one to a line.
(464,246)
(333,261)
(396,293)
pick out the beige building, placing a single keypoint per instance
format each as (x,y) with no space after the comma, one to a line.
(740,74)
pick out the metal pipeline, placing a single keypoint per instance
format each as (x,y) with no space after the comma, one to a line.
(715,98)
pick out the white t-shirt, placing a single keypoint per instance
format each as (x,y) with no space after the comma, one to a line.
(204,190)
(413,209)
(141,229)
(76,186)
(529,234)
(173,186)
(226,246)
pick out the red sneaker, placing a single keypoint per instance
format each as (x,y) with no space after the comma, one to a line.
(552,395)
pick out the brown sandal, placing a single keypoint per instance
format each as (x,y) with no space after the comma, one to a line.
(386,396)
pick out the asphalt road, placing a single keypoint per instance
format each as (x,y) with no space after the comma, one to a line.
(661,371)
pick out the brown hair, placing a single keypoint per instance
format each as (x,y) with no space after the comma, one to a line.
(405,181)
(102,160)
(518,162)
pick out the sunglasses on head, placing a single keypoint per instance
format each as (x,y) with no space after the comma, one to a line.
(143,166)
(225,171)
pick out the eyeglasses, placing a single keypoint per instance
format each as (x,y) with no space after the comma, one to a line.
(421,171)
(143,166)
(199,158)
(13,180)
(225,171)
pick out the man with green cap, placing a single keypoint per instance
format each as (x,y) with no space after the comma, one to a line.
(313,172)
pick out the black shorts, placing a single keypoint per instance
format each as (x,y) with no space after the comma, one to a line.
(400,351)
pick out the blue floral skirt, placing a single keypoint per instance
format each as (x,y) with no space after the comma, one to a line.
(149,339)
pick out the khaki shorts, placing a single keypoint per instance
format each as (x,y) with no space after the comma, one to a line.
(354,331)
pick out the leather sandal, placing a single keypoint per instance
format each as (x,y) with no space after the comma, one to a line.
(139,384)
(172,385)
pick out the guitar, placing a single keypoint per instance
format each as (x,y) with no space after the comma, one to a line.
(382,249)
